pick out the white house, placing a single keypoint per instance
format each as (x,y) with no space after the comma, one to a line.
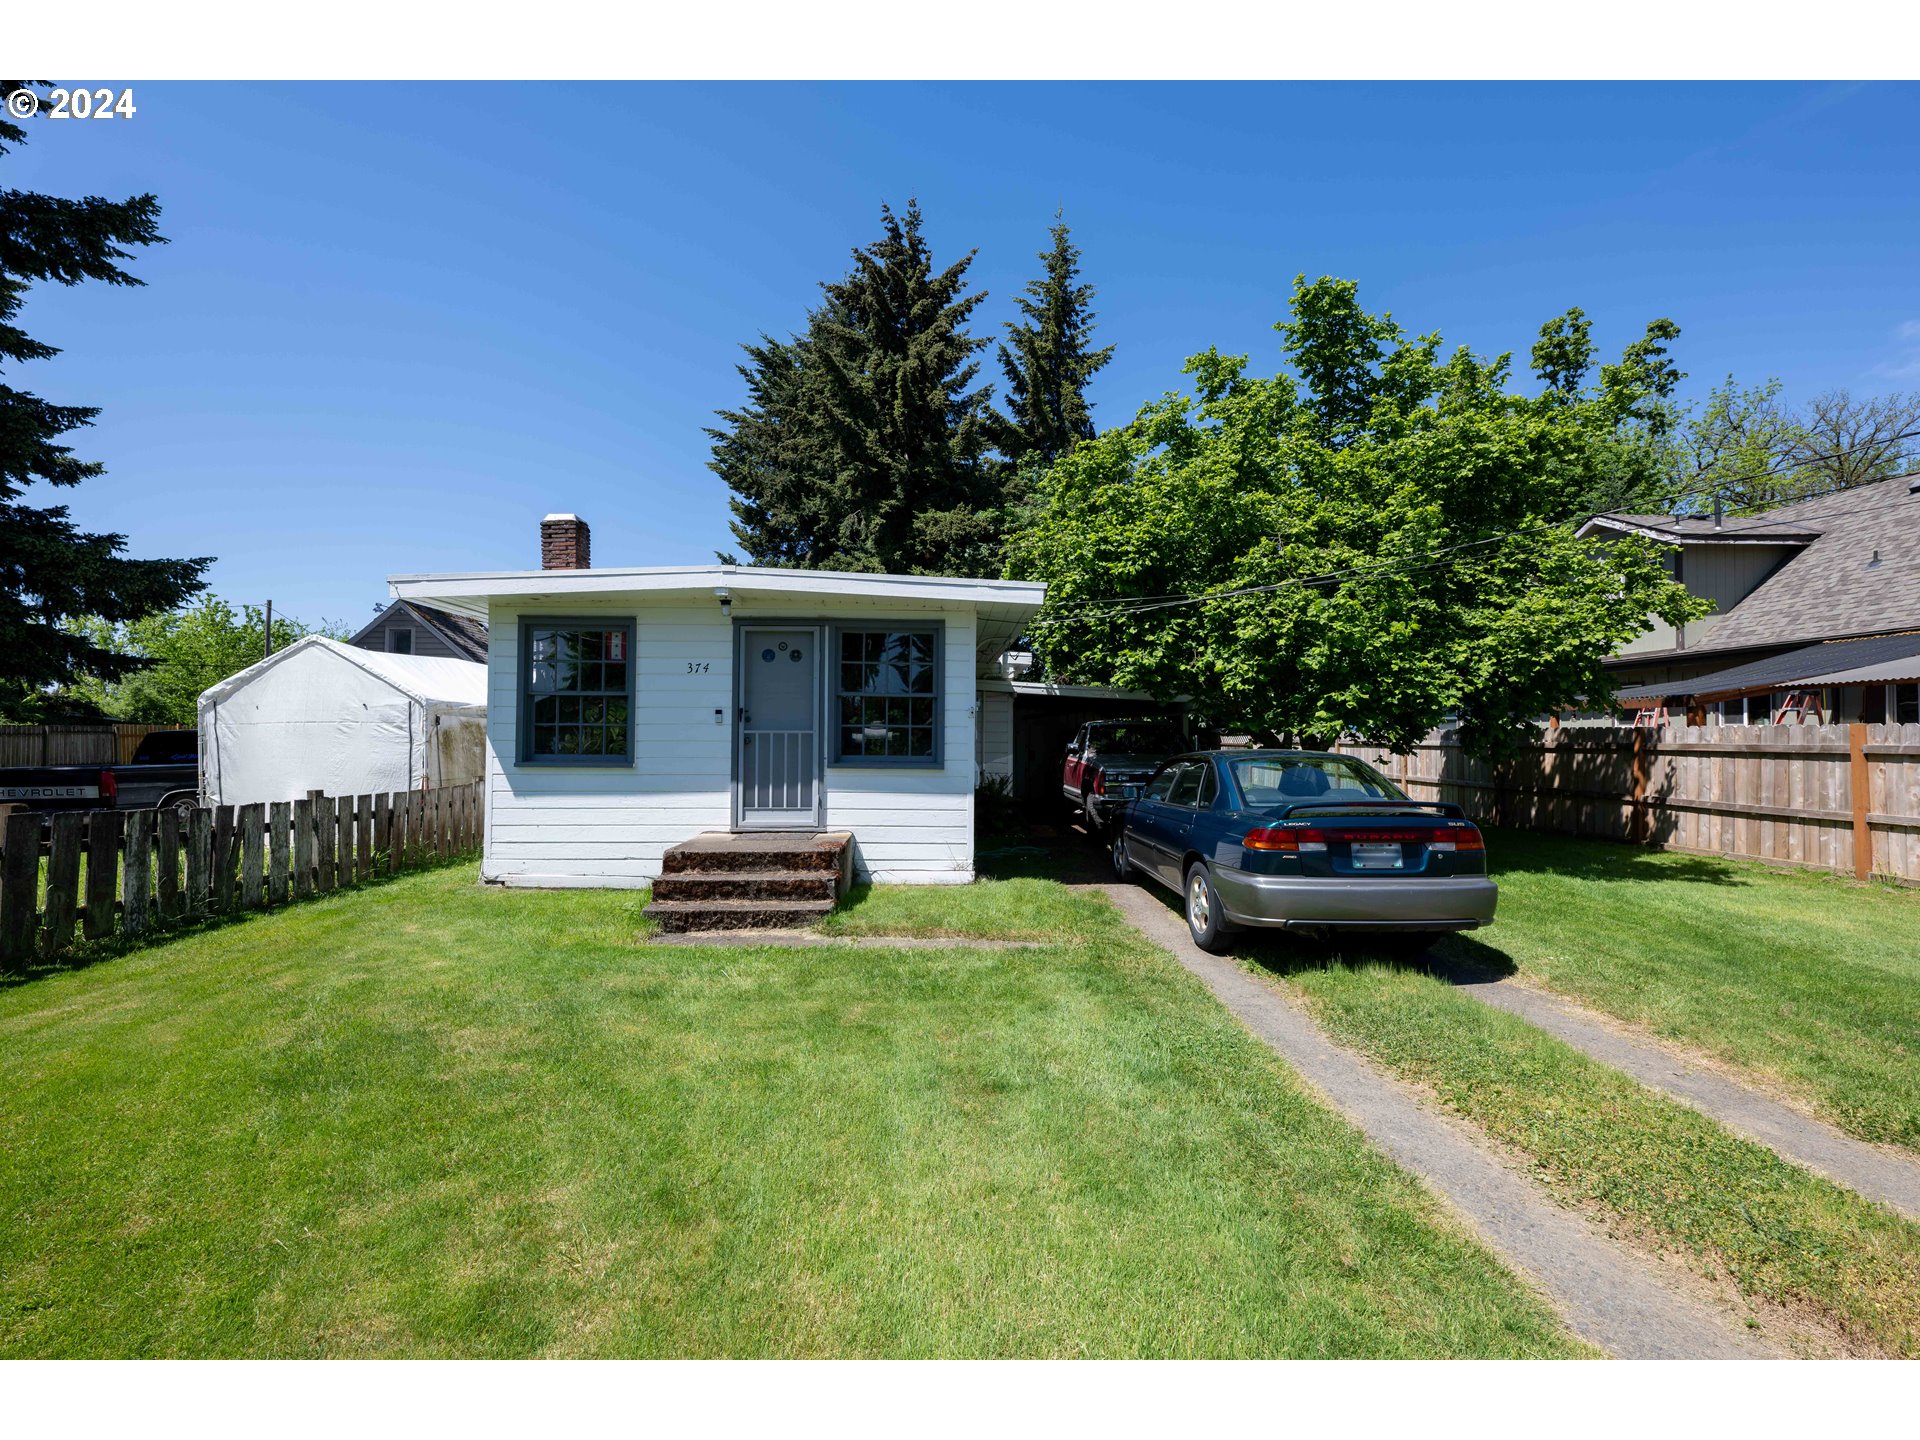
(630,710)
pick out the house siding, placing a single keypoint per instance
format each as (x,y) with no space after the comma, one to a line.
(594,826)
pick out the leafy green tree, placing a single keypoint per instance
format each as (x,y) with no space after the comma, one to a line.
(864,441)
(1740,447)
(1373,543)
(183,652)
(1048,358)
(50,569)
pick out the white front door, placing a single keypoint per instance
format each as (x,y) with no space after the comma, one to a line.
(779,729)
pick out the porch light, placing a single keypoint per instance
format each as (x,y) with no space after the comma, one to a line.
(725,597)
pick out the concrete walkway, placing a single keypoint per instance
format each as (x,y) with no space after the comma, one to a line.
(1891,1179)
(1607,1295)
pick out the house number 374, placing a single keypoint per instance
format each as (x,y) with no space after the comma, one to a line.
(699,667)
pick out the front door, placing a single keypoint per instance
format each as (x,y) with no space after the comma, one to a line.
(779,729)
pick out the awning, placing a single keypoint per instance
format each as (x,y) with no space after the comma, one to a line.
(1890,659)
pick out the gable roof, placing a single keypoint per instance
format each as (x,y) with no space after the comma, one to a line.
(466,635)
(1857,571)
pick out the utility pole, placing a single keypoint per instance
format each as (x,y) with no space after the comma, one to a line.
(269,630)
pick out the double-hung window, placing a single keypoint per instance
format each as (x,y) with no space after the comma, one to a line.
(887,695)
(576,692)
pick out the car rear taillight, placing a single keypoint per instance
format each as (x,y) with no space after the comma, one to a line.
(109,787)
(1468,839)
(1287,841)
(1099,782)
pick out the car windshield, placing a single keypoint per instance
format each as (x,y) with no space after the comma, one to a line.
(1135,737)
(1297,779)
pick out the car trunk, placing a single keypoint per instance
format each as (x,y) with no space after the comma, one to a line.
(1379,842)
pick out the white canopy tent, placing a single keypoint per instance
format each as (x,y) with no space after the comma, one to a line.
(325,716)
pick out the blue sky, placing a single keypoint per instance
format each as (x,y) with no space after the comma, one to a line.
(397,324)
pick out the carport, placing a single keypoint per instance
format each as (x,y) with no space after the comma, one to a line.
(1025,725)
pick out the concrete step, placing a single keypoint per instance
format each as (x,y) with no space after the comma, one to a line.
(677,917)
(702,886)
(786,850)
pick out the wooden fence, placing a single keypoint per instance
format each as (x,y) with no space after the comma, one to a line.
(72,744)
(1830,797)
(129,873)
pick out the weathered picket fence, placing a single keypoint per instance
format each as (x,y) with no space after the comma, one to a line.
(127,873)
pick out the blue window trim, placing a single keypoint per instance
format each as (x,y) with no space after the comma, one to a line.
(523,738)
(936,761)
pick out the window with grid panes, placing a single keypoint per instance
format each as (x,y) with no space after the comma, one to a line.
(887,697)
(577,687)
(1904,704)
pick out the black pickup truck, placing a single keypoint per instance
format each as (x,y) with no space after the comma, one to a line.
(165,770)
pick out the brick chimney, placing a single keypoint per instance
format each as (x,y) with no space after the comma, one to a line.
(565,543)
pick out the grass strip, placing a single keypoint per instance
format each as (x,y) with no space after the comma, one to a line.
(1809,980)
(1674,1176)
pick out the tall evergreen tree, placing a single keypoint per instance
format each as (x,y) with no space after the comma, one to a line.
(1048,359)
(50,569)
(863,443)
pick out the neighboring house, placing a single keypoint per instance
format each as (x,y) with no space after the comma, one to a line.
(403,628)
(1817,611)
(633,709)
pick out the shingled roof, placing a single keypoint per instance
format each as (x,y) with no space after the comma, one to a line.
(466,635)
(1857,573)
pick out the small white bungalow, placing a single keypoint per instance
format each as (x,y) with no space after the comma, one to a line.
(633,709)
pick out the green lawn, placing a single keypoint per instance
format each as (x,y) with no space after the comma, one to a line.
(1660,1171)
(1809,980)
(427,1118)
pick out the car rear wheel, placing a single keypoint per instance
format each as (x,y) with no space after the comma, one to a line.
(1206,921)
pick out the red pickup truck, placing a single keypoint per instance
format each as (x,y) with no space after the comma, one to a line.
(1109,760)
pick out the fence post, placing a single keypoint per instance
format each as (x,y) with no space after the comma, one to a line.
(223,858)
(1861,788)
(63,880)
(382,833)
(166,864)
(19,887)
(137,882)
(253,855)
(302,848)
(1637,820)
(279,816)
(324,842)
(199,863)
(103,873)
(343,825)
(363,838)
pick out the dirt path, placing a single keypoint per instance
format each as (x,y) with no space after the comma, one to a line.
(1607,1295)
(1893,1180)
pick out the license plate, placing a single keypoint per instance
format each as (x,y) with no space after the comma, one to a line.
(1376,857)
